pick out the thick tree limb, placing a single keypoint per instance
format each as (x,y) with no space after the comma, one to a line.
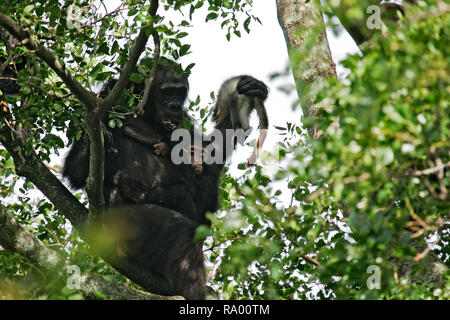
(304,30)
(28,165)
(94,183)
(135,53)
(89,285)
(15,238)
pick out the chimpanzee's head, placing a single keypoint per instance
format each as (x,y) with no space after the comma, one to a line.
(167,96)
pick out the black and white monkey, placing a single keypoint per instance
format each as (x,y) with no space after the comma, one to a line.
(163,203)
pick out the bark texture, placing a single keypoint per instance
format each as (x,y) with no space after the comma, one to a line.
(310,55)
(16,239)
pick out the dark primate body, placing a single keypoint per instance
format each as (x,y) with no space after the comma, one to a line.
(142,184)
(134,171)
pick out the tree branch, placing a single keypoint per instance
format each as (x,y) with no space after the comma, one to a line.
(88,98)
(28,165)
(437,168)
(311,260)
(140,108)
(89,285)
(15,238)
(135,53)
(94,185)
(309,52)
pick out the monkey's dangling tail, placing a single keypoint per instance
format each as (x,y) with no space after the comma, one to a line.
(263,127)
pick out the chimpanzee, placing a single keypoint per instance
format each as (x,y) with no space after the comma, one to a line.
(137,164)
(142,185)
(162,240)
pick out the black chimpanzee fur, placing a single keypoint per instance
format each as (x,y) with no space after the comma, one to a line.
(134,171)
(159,202)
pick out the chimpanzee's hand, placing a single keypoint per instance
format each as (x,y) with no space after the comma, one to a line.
(161,148)
(252,87)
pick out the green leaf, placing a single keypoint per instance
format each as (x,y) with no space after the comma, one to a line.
(189,68)
(112,123)
(211,16)
(137,78)
(27,10)
(247,24)
(184,49)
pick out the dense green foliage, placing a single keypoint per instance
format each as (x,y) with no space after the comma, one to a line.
(362,191)
(359,194)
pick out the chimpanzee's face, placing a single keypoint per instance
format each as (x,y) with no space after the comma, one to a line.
(170,97)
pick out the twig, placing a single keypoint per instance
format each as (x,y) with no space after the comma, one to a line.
(48,93)
(312,260)
(8,61)
(124,77)
(53,168)
(421,255)
(108,13)
(157,51)
(440,176)
(87,97)
(432,170)
(293,196)
(8,78)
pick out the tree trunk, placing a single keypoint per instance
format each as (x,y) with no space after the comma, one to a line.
(309,53)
